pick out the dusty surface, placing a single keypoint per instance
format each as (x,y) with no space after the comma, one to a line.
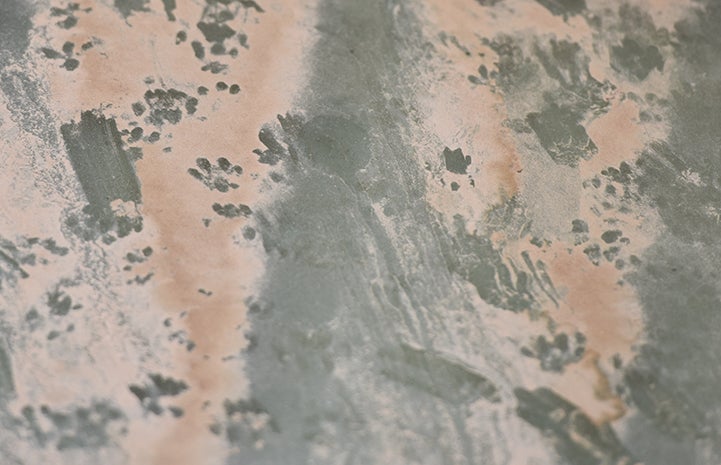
(444,232)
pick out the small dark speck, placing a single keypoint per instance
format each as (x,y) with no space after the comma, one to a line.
(202,90)
(455,186)
(167,149)
(182,36)
(220,85)
(249,233)
(234,89)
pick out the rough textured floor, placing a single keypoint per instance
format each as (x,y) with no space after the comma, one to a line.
(438,232)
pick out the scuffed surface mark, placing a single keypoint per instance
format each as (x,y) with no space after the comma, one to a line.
(100,162)
(575,436)
(129,7)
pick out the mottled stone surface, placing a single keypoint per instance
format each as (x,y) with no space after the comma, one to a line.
(438,232)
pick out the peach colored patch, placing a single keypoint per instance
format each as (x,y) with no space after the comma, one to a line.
(587,386)
(618,136)
(188,256)
(594,302)
(198,257)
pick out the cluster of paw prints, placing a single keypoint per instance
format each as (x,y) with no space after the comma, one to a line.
(90,223)
(68,54)
(616,198)
(158,108)
(161,107)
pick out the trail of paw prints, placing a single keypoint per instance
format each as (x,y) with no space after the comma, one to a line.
(91,426)
(616,201)
(219,33)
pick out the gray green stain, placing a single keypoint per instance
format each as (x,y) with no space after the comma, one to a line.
(340,292)
(674,380)
(100,161)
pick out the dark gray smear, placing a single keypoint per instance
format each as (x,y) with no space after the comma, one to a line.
(100,162)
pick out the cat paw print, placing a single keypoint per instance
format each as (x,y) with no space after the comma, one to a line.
(555,354)
(165,106)
(230,210)
(17,257)
(216,176)
(67,55)
(219,26)
(68,13)
(245,423)
(152,393)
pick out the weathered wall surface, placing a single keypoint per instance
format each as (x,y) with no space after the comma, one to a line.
(447,232)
